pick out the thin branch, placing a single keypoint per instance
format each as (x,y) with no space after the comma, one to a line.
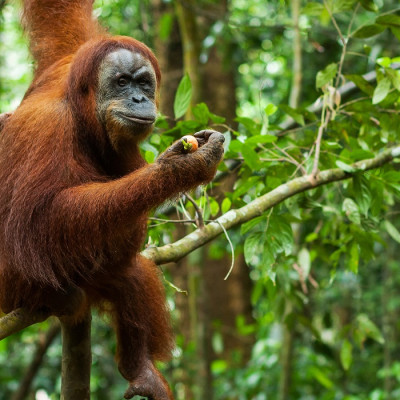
(199,211)
(175,251)
(321,130)
(232,251)
(163,221)
(290,158)
(335,24)
(345,44)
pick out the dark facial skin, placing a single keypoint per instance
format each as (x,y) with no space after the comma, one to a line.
(126,96)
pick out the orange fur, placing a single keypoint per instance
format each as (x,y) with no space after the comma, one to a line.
(73,211)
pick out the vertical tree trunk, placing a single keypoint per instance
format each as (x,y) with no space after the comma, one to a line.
(191,47)
(286,356)
(169,54)
(297,74)
(200,318)
(286,363)
(76,359)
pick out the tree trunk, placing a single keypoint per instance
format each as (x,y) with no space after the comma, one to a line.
(169,54)
(191,44)
(297,74)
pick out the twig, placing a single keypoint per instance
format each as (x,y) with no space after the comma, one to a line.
(300,271)
(199,212)
(313,282)
(170,284)
(185,212)
(310,153)
(232,250)
(321,129)
(171,221)
(335,23)
(345,43)
(291,159)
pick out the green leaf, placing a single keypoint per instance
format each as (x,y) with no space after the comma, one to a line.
(201,113)
(149,157)
(258,221)
(262,248)
(354,257)
(381,90)
(313,9)
(183,97)
(251,247)
(362,193)
(369,5)
(361,83)
(298,117)
(281,235)
(219,366)
(368,31)
(326,76)
(214,207)
(235,146)
(345,167)
(261,139)
(250,124)
(351,210)
(394,77)
(389,20)
(165,25)
(342,5)
(318,374)
(250,157)
(346,354)
(226,205)
(245,186)
(270,109)
(258,250)
(392,231)
(396,32)
(369,329)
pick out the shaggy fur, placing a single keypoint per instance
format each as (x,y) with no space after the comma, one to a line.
(73,211)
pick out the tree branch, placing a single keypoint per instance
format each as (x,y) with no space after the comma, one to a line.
(175,251)
(18,320)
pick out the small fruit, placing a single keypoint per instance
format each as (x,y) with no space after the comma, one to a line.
(190,144)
